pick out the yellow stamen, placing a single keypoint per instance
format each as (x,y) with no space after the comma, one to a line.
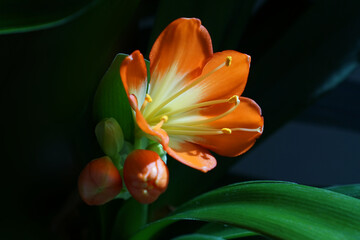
(226,130)
(234,99)
(259,129)
(193,133)
(147,100)
(163,120)
(228,61)
(187,87)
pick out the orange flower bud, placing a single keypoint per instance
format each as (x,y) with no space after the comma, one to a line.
(99,182)
(146,176)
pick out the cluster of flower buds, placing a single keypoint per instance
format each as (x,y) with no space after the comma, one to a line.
(144,172)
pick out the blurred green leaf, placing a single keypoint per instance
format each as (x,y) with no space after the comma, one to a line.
(224,231)
(301,212)
(317,52)
(18,16)
(224,21)
(352,190)
(49,79)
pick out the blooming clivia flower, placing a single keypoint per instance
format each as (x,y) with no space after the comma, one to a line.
(192,103)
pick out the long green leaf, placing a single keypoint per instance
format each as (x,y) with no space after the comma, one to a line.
(231,232)
(275,209)
(18,16)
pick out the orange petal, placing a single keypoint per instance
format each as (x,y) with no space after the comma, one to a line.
(246,115)
(227,81)
(192,155)
(134,75)
(161,135)
(184,43)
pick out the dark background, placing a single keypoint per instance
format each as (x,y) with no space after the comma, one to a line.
(304,74)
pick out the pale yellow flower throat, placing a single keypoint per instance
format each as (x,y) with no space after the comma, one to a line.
(198,127)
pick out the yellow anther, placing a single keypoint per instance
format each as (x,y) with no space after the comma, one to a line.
(148,98)
(234,99)
(164,118)
(226,130)
(228,61)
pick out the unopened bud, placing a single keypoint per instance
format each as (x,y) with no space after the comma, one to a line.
(146,176)
(110,136)
(99,182)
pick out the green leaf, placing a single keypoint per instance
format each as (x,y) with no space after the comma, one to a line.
(225,231)
(197,236)
(111,100)
(276,209)
(18,16)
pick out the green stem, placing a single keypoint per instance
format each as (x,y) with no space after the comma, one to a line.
(141,142)
(102,211)
(118,161)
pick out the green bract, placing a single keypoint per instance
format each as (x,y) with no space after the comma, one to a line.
(111,101)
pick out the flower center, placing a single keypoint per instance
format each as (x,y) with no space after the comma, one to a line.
(166,120)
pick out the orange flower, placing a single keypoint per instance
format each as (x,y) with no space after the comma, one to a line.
(193,103)
(146,176)
(99,182)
